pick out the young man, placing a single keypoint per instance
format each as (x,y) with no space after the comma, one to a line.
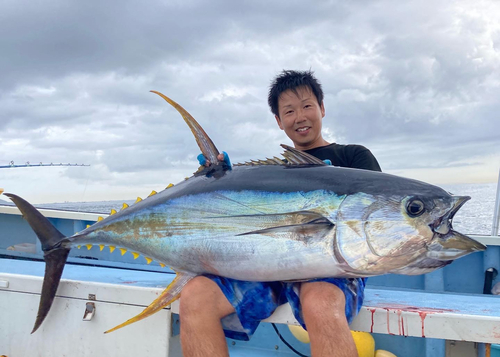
(213,307)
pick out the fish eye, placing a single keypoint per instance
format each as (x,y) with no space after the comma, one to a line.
(415,208)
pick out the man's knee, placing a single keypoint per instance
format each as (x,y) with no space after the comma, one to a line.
(203,296)
(322,299)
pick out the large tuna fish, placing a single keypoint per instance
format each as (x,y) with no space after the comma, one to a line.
(271,220)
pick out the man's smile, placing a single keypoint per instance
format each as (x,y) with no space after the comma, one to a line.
(303,129)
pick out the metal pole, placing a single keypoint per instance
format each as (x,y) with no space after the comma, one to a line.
(491,257)
(494,228)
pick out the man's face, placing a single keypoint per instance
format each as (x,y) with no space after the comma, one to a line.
(300,116)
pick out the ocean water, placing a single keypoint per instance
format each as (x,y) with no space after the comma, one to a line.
(475,217)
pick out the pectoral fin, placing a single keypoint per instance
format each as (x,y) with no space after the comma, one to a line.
(300,225)
(300,232)
(270,220)
(168,296)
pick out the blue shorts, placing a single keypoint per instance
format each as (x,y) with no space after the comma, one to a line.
(254,301)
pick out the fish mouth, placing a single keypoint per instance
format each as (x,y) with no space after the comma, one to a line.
(443,225)
(448,244)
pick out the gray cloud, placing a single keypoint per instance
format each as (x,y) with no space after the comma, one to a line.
(416,82)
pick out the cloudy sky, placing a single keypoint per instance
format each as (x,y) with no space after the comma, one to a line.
(417,82)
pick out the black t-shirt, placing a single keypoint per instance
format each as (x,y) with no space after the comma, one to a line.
(353,156)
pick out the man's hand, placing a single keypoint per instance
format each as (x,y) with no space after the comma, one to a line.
(223,157)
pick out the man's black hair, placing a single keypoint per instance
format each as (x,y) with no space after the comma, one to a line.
(291,80)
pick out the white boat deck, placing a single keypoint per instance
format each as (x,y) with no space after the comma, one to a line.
(463,317)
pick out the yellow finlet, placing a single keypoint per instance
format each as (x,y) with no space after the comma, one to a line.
(135,254)
(124,206)
(152,193)
(123,250)
(78,246)
(186,178)
(101,247)
(162,265)
(99,219)
(170,185)
(88,225)
(1,190)
(112,248)
(89,246)
(138,200)
(148,260)
(113,211)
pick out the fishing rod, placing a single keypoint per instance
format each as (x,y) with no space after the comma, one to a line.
(28,164)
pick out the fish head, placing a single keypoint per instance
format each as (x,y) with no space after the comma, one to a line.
(425,224)
(388,231)
(446,244)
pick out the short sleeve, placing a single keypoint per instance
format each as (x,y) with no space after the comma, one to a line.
(364,159)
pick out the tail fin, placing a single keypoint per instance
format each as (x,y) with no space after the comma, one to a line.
(55,256)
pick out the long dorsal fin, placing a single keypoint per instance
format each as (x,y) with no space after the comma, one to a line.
(293,157)
(204,142)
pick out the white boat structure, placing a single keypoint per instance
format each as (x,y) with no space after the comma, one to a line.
(449,312)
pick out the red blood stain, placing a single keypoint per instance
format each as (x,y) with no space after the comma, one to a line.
(388,324)
(398,309)
(495,333)
(422,317)
(373,313)
(413,308)
(400,322)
